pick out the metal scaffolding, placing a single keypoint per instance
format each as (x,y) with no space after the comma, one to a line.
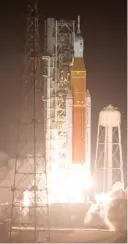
(64,34)
(59,42)
(29,192)
(49,111)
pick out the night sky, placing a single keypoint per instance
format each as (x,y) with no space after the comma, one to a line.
(103,26)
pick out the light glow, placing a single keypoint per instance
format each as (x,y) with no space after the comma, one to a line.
(64,185)
(68,185)
(26,202)
(103,198)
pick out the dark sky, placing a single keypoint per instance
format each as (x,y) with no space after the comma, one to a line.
(104,30)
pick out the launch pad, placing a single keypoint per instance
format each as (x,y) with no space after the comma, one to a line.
(80,235)
(66,224)
(65,235)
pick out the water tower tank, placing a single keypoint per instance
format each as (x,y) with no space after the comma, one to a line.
(109,162)
(110,117)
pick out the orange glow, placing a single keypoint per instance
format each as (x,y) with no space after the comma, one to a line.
(78,77)
(78,139)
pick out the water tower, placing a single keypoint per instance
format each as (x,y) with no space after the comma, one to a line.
(108,167)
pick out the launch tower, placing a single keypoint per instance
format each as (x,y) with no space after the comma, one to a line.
(28,193)
(59,49)
(69,125)
(67,102)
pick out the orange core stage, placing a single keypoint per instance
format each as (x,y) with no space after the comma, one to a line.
(78,79)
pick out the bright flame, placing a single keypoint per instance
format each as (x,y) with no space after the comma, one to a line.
(65,185)
(68,185)
(26,202)
(26,199)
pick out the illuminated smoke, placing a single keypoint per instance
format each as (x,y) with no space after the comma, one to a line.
(110,208)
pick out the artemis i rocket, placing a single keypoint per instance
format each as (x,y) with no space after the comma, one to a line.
(78,108)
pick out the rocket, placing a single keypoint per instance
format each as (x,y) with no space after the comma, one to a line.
(78,108)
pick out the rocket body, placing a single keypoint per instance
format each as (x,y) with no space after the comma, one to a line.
(78,78)
(79,131)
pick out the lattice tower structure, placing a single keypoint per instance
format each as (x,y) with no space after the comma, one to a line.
(108,167)
(64,34)
(50,132)
(30,168)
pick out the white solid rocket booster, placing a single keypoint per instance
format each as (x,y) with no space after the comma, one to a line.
(88,129)
(69,126)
